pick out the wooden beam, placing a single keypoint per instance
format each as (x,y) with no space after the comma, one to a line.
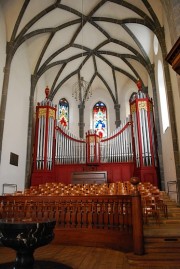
(173,57)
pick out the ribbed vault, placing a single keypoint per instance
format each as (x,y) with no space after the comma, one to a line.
(73,39)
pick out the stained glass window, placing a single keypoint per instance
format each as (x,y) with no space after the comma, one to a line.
(100,118)
(63,112)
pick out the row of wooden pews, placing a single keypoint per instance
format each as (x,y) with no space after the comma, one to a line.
(153,204)
(101,215)
(104,221)
(101,218)
(53,189)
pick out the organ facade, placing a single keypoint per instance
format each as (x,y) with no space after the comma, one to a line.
(128,151)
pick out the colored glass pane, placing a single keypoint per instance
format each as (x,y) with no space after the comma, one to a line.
(63,112)
(100,118)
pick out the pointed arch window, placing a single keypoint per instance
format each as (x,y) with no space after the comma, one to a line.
(63,112)
(100,119)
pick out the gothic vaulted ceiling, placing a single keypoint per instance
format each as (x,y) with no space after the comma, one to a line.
(106,42)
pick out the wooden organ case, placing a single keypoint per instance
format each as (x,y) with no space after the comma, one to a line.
(128,151)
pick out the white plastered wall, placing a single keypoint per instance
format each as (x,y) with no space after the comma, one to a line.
(170,164)
(174,82)
(166,137)
(16,121)
(2,48)
(128,88)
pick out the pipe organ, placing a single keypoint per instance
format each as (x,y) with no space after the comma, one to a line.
(132,142)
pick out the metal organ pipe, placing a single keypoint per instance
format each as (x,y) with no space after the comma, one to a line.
(70,150)
(148,139)
(118,146)
(42,140)
(142,135)
(152,134)
(135,128)
(50,143)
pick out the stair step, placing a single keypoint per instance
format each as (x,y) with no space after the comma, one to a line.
(149,250)
(173,211)
(161,240)
(171,220)
(166,244)
(154,260)
(170,206)
(173,214)
(162,233)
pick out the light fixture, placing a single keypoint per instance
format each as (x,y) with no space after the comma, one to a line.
(82,90)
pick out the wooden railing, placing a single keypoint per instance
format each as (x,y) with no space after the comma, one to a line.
(104,221)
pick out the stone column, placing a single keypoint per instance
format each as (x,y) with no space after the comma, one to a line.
(117,111)
(30,134)
(81,120)
(5,92)
(158,132)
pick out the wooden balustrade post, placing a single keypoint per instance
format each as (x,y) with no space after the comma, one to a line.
(137,219)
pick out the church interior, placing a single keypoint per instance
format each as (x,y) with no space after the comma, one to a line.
(90,133)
